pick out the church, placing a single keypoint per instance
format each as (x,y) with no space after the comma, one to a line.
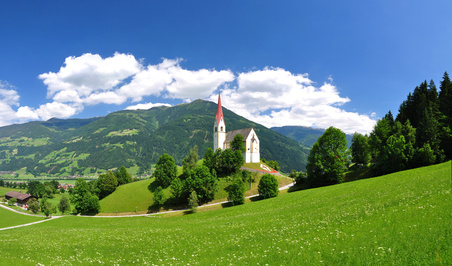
(223,139)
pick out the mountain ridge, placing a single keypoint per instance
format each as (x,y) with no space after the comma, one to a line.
(133,138)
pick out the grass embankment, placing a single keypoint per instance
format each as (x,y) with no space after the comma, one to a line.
(9,218)
(128,198)
(399,219)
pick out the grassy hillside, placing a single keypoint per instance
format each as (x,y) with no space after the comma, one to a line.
(399,219)
(128,198)
(130,138)
(136,197)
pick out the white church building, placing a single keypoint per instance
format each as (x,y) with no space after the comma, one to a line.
(223,139)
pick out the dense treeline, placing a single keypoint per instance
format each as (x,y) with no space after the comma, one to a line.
(420,135)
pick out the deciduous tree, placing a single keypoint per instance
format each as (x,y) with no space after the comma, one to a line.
(107,184)
(64,205)
(123,176)
(327,160)
(238,143)
(159,197)
(203,182)
(360,149)
(166,170)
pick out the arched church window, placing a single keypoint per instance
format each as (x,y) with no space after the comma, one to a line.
(221,129)
(215,129)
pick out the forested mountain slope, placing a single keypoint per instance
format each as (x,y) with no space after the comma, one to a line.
(130,137)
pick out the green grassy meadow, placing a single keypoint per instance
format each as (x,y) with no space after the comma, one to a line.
(9,218)
(4,190)
(399,219)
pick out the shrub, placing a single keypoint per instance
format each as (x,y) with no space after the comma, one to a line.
(12,201)
(236,192)
(268,186)
(193,202)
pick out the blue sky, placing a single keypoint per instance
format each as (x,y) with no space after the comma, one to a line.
(310,63)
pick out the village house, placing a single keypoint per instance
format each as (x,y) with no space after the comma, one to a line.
(22,199)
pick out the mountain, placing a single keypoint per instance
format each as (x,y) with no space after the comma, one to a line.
(307,136)
(130,138)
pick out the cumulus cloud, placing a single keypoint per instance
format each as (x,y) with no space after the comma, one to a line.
(271,96)
(56,109)
(146,106)
(90,73)
(197,84)
(8,98)
(277,97)
(90,80)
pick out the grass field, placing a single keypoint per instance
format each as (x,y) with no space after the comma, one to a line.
(399,219)
(9,218)
(4,190)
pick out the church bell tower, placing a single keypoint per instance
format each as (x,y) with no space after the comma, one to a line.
(219,128)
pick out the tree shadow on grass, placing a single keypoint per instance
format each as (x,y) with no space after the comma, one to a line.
(226,204)
(153,186)
(170,204)
(297,187)
(256,198)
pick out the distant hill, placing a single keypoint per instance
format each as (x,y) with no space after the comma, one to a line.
(130,138)
(307,136)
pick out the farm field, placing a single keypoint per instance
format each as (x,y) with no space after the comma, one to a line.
(401,218)
(9,218)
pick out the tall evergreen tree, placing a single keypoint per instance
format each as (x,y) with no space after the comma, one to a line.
(445,107)
(378,137)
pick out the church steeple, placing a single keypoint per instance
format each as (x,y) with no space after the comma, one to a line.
(219,115)
(219,127)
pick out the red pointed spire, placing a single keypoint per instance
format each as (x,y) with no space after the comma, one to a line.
(219,115)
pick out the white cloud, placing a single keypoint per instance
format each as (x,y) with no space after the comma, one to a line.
(8,97)
(271,96)
(56,109)
(146,106)
(26,113)
(151,81)
(276,97)
(90,73)
(198,84)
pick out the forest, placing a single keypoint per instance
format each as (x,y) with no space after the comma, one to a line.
(420,135)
